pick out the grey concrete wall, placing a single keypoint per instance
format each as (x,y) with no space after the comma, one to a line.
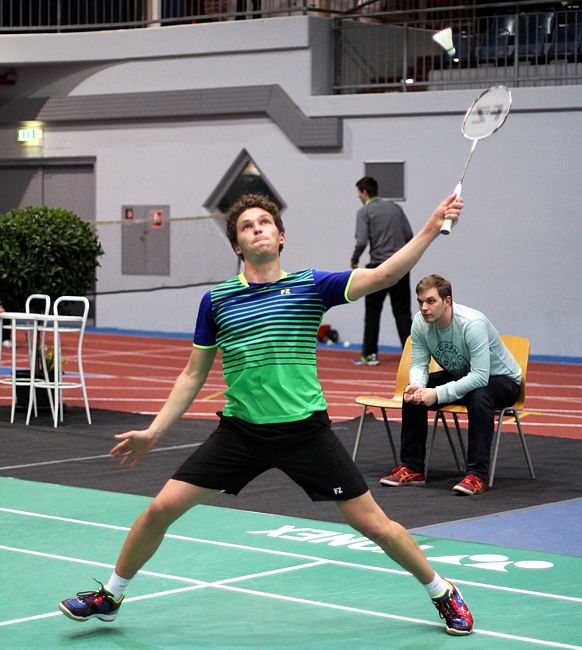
(514,256)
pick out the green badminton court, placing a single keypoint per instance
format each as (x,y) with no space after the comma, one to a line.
(234,579)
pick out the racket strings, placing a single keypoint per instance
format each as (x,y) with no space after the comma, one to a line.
(487,113)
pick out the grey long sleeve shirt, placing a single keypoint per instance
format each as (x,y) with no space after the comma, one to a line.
(383,225)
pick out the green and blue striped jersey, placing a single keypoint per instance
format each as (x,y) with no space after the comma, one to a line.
(267,334)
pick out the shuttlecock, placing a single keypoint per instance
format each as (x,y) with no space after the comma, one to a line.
(445,39)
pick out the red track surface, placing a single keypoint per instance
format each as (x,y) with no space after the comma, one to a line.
(136,373)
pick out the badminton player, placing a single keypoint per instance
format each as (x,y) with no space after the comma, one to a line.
(265,322)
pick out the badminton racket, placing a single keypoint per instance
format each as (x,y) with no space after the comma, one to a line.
(485,116)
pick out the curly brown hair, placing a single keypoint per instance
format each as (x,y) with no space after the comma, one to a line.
(246,202)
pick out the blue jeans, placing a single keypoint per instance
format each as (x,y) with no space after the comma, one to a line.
(501,391)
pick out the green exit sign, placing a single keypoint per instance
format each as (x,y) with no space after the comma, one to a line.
(29,134)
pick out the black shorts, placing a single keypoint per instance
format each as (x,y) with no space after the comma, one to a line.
(308,451)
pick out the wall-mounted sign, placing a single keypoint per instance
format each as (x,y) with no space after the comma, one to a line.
(30,135)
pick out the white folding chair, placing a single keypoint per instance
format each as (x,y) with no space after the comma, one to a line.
(60,325)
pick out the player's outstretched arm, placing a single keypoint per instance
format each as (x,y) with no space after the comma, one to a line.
(367,281)
(133,445)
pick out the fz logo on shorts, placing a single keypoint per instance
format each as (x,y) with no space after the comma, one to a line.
(338,490)
(285,292)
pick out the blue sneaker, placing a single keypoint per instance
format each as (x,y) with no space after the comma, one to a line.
(453,609)
(91,604)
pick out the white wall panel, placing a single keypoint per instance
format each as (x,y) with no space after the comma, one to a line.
(514,256)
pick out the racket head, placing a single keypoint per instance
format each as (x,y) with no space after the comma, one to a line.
(487,113)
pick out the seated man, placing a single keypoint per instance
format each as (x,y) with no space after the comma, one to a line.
(479,372)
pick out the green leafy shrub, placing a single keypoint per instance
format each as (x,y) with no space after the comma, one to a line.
(45,250)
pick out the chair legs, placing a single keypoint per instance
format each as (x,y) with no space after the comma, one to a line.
(439,415)
(359,434)
(509,411)
(461,443)
(60,383)
(497,439)
(390,439)
(388,433)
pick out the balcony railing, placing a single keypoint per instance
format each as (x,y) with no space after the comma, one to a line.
(518,43)
(83,15)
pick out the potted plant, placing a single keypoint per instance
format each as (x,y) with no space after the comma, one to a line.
(45,250)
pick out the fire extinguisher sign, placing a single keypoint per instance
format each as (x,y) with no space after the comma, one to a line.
(157,218)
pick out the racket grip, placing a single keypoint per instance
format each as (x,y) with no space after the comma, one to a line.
(448,223)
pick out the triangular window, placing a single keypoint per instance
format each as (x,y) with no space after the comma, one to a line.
(243,177)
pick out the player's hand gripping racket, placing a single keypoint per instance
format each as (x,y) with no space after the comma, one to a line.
(485,115)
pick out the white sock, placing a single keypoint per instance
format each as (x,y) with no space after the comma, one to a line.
(437,586)
(117,585)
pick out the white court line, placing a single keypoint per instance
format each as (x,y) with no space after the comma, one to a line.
(302,556)
(226,584)
(83,458)
(196,584)
(368,612)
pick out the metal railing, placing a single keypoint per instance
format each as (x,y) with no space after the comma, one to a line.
(27,16)
(518,43)
(514,43)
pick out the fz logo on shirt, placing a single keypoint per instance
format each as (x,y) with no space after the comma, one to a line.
(285,292)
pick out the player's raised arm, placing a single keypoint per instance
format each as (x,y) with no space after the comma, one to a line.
(133,445)
(367,281)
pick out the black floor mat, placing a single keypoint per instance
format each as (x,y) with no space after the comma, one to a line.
(76,454)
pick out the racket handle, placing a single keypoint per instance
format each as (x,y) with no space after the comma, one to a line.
(448,223)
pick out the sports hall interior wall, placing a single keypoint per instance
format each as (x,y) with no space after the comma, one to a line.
(514,256)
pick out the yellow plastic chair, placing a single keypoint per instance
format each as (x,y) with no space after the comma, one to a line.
(395,402)
(519,348)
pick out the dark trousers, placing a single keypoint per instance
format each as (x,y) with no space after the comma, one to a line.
(481,403)
(400,300)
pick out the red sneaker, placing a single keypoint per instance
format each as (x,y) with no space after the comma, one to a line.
(471,485)
(402,475)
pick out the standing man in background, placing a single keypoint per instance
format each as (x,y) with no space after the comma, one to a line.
(383,225)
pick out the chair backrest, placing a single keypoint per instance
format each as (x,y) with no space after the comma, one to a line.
(36,298)
(57,307)
(519,348)
(403,372)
